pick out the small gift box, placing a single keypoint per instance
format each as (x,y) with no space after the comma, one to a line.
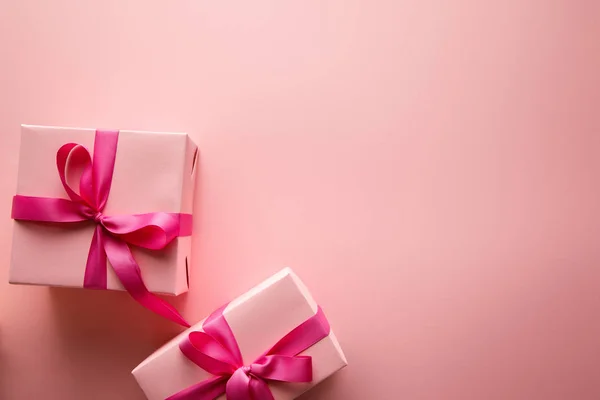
(104,210)
(273,342)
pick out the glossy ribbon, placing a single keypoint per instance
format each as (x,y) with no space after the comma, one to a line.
(113,234)
(216,351)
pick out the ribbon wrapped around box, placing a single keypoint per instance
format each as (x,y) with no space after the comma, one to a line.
(128,202)
(272,343)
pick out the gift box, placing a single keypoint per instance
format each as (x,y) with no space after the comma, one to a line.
(273,342)
(131,188)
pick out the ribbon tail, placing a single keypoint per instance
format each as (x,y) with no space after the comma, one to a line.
(129,274)
(259,390)
(209,389)
(95,269)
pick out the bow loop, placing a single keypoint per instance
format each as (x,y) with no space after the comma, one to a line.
(73,159)
(206,352)
(151,231)
(95,174)
(283,368)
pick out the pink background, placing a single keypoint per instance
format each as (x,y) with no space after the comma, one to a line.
(429,168)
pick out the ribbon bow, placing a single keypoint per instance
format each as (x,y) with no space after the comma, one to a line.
(216,351)
(113,234)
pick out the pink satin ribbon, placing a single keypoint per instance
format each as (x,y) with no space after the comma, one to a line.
(216,351)
(113,234)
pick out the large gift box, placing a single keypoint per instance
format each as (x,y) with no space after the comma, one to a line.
(88,198)
(273,342)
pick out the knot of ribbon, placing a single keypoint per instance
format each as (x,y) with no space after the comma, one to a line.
(113,234)
(98,217)
(215,350)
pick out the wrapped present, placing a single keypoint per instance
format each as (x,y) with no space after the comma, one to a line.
(117,215)
(273,342)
